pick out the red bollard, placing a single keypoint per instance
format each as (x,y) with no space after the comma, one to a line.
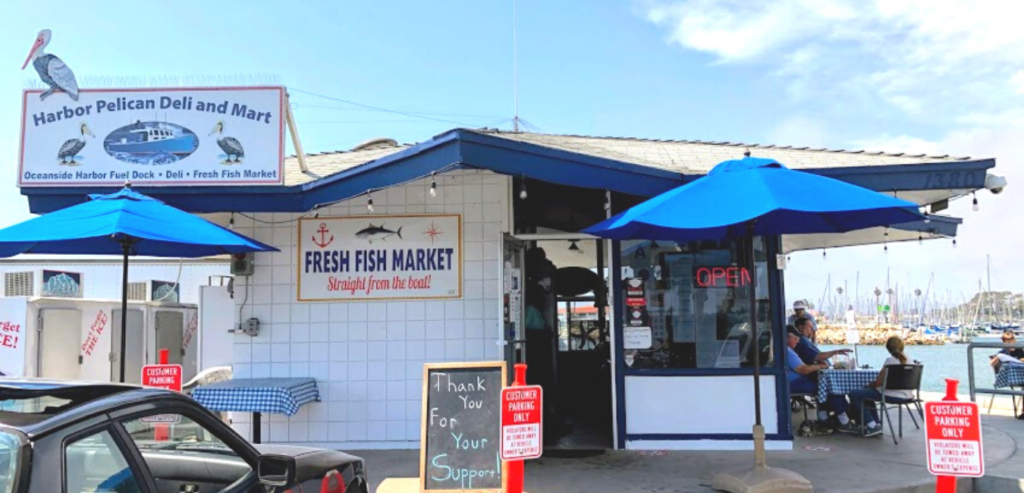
(515,467)
(947,484)
(164,355)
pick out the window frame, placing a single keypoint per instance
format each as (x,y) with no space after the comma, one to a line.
(128,451)
(211,424)
(772,246)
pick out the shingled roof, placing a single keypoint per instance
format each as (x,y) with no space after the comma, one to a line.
(687,157)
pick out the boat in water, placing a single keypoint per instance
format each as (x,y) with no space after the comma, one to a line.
(141,142)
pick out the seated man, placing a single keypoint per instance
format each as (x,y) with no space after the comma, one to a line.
(802,381)
(807,349)
(800,310)
(1013,356)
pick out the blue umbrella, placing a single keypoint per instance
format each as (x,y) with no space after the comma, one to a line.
(756,197)
(760,197)
(124,223)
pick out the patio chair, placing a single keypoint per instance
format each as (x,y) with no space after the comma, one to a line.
(798,402)
(900,377)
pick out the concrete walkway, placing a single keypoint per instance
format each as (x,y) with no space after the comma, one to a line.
(833,464)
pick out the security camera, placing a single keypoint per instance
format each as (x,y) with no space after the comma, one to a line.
(995,183)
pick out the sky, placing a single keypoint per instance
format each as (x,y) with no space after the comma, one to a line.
(935,76)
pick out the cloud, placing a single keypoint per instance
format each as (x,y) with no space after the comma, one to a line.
(950,68)
(921,58)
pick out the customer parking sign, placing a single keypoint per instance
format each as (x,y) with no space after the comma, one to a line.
(953,435)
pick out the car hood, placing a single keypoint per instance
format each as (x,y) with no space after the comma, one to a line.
(313,462)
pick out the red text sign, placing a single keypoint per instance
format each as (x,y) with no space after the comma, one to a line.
(953,434)
(521,430)
(162,376)
(721,277)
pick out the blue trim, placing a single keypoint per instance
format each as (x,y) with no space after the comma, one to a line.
(941,225)
(466,148)
(618,358)
(515,158)
(776,295)
(930,176)
(643,437)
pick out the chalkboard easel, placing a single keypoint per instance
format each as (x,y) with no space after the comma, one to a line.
(460,431)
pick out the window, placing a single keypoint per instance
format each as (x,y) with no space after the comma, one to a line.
(175,447)
(95,464)
(687,305)
(9,449)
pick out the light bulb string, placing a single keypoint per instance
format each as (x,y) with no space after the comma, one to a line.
(335,202)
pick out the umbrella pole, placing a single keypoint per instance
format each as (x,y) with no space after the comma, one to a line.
(760,479)
(125,247)
(759,455)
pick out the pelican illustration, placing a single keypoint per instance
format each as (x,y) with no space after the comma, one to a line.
(51,69)
(72,147)
(230,145)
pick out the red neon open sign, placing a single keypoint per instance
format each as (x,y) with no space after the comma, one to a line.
(721,277)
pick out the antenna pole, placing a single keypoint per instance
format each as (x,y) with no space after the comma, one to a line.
(515,70)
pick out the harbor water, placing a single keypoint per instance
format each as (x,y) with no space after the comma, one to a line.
(940,363)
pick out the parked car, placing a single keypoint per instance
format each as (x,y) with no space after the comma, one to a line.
(76,437)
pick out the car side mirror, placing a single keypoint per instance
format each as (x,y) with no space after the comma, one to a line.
(276,470)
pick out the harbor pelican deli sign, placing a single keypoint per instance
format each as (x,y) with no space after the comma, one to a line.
(361,258)
(172,136)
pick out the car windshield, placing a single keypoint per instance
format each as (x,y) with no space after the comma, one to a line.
(8,461)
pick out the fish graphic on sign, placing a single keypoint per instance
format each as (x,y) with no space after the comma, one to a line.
(377,232)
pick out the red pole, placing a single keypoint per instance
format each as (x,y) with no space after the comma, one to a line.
(947,484)
(164,354)
(515,467)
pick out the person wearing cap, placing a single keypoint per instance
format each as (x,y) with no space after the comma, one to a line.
(807,350)
(1013,356)
(800,310)
(802,379)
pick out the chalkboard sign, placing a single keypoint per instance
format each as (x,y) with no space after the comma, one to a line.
(460,448)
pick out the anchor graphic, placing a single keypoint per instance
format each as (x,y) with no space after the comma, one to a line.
(323,236)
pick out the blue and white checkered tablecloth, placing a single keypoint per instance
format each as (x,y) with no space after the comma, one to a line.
(1010,374)
(841,382)
(258,395)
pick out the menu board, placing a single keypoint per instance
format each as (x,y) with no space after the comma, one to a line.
(460,443)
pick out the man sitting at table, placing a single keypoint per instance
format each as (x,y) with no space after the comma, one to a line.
(807,349)
(1013,356)
(802,380)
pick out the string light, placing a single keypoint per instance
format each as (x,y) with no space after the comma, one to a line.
(369,202)
(954,242)
(886,247)
(607,201)
(316,213)
(522,189)
(433,186)
(231,222)
(975,205)
(920,240)
(824,253)
(927,217)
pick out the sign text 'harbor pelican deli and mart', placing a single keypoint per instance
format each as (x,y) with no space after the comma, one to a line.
(467,247)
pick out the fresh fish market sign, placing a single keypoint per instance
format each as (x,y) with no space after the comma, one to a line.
(175,136)
(364,258)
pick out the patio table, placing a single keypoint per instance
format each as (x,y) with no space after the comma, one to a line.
(1011,375)
(257,396)
(841,382)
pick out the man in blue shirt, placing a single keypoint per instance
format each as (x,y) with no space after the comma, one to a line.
(802,380)
(800,310)
(808,350)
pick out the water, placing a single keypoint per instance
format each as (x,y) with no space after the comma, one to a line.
(940,363)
